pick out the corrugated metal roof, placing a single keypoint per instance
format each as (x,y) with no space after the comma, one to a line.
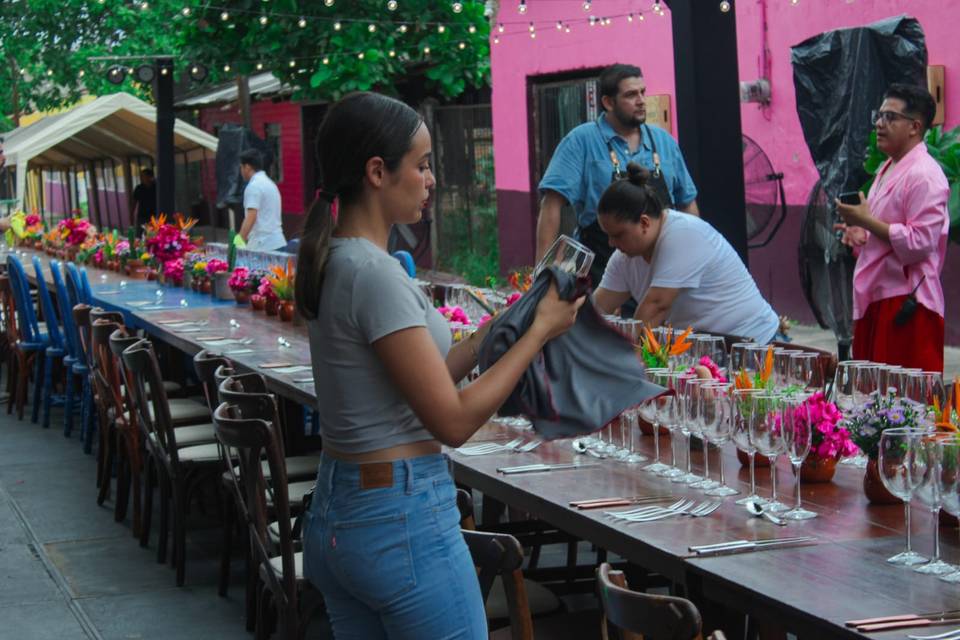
(260,84)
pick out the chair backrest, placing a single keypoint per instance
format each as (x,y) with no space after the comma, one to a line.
(647,614)
(107,375)
(71,337)
(248,440)
(406,261)
(81,318)
(150,401)
(206,363)
(86,291)
(500,554)
(46,303)
(248,394)
(74,288)
(9,309)
(27,325)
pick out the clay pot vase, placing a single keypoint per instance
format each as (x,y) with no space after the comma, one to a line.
(38,245)
(206,286)
(273,307)
(873,486)
(817,470)
(151,274)
(258,302)
(287,310)
(242,297)
(759,461)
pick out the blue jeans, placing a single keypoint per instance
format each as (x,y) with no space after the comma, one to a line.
(391,562)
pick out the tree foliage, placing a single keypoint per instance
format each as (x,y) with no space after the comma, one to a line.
(323,49)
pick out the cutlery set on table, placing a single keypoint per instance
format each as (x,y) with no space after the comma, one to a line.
(911,620)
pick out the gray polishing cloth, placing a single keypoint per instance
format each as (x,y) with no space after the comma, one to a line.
(582,379)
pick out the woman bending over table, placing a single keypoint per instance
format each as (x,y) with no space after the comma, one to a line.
(678,266)
(381,537)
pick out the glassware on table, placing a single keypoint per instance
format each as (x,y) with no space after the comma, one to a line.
(797,432)
(708,411)
(802,369)
(568,255)
(781,366)
(717,424)
(670,415)
(649,412)
(934,389)
(738,356)
(743,415)
(766,432)
(900,379)
(888,377)
(925,479)
(630,432)
(897,452)
(866,382)
(841,392)
(689,391)
(948,480)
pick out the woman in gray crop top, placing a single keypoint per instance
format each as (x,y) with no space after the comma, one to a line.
(381,537)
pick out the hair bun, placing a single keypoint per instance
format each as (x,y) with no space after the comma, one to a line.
(637,174)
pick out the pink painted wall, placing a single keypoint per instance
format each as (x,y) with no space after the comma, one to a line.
(649,43)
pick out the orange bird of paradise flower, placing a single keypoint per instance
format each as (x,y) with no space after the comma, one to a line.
(184,224)
(156,222)
(944,417)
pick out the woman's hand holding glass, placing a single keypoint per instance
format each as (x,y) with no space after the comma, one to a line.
(555,316)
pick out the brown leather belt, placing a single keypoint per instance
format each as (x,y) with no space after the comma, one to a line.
(376,475)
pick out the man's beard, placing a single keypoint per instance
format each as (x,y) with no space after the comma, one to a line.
(629,120)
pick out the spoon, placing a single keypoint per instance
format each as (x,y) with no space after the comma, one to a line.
(581,447)
(757,509)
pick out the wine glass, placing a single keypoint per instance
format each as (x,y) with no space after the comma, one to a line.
(766,432)
(670,415)
(709,411)
(866,382)
(797,433)
(717,424)
(649,412)
(631,435)
(738,356)
(926,483)
(842,391)
(901,379)
(781,365)
(755,357)
(888,377)
(690,387)
(802,367)
(949,484)
(897,452)
(934,389)
(568,255)
(743,414)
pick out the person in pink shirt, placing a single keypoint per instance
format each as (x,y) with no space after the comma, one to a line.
(899,233)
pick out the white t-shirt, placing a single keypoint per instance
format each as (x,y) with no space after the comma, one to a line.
(717,293)
(262,194)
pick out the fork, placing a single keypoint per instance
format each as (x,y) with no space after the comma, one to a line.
(649,510)
(483,449)
(530,446)
(690,509)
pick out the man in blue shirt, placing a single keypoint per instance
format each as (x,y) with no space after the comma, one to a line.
(593,154)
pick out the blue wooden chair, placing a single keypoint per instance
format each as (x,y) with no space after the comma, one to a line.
(32,341)
(74,362)
(406,261)
(56,351)
(81,284)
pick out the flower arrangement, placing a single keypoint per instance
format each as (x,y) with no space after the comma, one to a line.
(879,413)
(454,314)
(199,268)
(75,231)
(215,266)
(829,438)
(707,369)
(656,355)
(282,281)
(122,249)
(173,271)
(946,418)
(53,238)
(244,279)
(761,379)
(168,241)
(265,290)
(521,280)
(33,227)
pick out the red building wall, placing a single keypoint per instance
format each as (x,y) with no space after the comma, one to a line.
(264,112)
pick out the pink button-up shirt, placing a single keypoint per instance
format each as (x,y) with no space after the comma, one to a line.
(912,198)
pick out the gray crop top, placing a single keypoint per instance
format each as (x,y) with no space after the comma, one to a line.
(366,295)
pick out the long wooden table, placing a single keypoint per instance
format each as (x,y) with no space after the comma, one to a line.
(810,590)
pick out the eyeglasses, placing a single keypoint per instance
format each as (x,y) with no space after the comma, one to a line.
(888,116)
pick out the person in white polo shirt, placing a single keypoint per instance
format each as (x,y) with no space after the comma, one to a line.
(262,227)
(679,267)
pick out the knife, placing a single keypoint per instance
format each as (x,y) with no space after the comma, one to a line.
(599,503)
(747,545)
(900,617)
(532,468)
(906,624)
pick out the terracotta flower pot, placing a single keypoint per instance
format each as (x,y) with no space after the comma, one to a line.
(287,310)
(242,297)
(258,302)
(647,429)
(873,486)
(758,460)
(206,286)
(151,274)
(273,307)
(38,245)
(816,469)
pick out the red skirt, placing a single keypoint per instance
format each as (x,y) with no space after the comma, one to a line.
(918,343)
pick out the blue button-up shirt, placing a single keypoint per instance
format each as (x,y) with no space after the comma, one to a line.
(580,169)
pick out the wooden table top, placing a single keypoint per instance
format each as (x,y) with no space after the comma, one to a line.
(810,589)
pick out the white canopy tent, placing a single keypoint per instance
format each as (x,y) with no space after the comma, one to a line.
(115,126)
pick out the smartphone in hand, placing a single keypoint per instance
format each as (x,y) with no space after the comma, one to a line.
(850,197)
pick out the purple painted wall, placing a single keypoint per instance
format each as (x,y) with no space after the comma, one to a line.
(649,43)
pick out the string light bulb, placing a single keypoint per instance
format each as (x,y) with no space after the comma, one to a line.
(629,17)
(82,73)
(559,25)
(593,21)
(522,7)
(371,27)
(302,22)
(164,71)
(326,60)
(360,55)
(259,66)
(144,5)
(457,7)
(293,63)
(724,6)
(462,46)
(496,39)
(441,29)
(186,11)
(426,51)
(392,53)
(472,28)
(586,5)
(329,3)
(500,27)
(224,16)
(403,28)
(337,26)
(566,29)
(226,68)
(392,5)
(264,20)
(531,27)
